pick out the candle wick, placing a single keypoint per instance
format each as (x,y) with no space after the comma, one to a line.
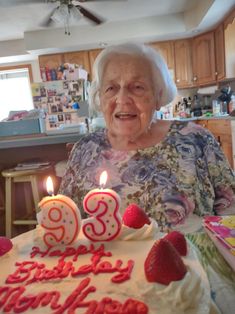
(102,186)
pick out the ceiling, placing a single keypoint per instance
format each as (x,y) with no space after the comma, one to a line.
(23,36)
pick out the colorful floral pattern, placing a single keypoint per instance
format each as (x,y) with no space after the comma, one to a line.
(184,174)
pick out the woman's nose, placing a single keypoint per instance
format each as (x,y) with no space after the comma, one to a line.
(123,95)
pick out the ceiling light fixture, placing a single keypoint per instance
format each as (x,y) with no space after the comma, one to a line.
(66,14)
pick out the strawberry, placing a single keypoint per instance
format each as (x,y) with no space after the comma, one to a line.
(164,264)
(5,245)
(178,240)
(135,217)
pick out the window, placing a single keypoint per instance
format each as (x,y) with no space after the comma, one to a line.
(15,90)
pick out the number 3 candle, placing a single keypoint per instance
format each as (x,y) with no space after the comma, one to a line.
(59,217)
(103,205)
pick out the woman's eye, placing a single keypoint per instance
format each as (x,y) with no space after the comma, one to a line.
(110,89)
(138,88)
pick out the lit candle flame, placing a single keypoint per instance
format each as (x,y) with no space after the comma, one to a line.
(103,179)
(50,187)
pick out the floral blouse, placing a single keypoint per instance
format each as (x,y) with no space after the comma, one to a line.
(177,181)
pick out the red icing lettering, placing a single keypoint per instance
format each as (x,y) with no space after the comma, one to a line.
(15,300)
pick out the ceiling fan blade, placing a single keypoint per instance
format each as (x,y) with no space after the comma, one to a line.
(94,18)
(47,21)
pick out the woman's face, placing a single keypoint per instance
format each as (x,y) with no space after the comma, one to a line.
(127,95)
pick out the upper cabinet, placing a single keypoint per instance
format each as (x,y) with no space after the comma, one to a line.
(166,48)
(203,52)
(78,57)
(52,61)
(229,40)
(183,63)
(219,52)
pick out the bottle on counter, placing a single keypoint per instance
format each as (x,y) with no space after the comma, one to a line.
(216,107)
(224,107)
(196,107)
(231,105)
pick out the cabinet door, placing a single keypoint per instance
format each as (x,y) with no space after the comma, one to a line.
(92,56)
(229,39)
(52,61)
(78,57)
(219,52)
(166,49)
(203,123)
(203,52)
(221,129)
(183,63)
(226,145)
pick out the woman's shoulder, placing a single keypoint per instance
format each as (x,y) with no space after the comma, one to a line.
(98,138)
(189,127)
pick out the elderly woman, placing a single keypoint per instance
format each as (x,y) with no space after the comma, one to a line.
(175,171)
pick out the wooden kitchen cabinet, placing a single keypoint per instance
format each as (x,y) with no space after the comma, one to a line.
(166,48)
(221,129)
(52,61)
(183,63)
(219,52)
(78,57)
(203,53)
(229,41)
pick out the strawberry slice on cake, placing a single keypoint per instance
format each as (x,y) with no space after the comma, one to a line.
(135,217)
(177,239)
(164,264)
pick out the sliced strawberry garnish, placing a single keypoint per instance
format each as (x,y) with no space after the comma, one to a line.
(5,245)
(178,240)
(164,264)
(135,217)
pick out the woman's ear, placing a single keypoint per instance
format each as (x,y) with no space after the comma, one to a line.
(158,102)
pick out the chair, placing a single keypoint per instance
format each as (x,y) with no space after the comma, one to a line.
(60,166)
(31,176)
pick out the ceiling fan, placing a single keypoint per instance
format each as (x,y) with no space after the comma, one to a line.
(64,12)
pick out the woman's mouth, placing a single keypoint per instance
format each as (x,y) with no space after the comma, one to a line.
(125,115)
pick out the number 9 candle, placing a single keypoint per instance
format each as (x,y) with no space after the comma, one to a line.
(59,217)
(103,207)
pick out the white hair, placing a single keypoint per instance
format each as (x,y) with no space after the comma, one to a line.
(165,88)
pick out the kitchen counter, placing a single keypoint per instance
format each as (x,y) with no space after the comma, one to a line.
(38,139)
(227,117)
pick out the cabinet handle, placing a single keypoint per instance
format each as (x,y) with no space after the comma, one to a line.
(195,78)
(178,80)
(218,139)
(216,73)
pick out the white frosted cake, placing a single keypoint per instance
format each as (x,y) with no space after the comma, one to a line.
(98,277)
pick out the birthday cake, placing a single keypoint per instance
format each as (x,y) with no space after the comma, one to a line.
(104,264)
(112,277)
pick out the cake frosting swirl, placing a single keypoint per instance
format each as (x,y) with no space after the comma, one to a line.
(146,232)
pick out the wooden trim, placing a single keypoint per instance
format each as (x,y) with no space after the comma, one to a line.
(230,18)
(22,66)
